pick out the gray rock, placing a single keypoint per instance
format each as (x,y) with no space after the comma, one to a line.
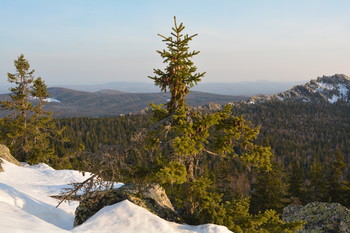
(320,217)
(5,154)
(151,197)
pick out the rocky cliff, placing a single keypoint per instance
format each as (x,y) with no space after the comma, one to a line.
(323,89)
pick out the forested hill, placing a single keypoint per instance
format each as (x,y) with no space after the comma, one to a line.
(72,103)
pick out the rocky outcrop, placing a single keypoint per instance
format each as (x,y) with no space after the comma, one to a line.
(151,197)
(5,154)
(323,89)
(320,217)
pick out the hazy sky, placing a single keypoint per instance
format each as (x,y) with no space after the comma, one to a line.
(85,41)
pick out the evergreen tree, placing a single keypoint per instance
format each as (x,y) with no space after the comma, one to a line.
(27,128)
(179,76)
(295,188)
(338,187)
(14,127)
(269,191)
(317,189)
(184,135)
(190,133)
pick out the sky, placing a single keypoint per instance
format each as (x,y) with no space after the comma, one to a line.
(90,42)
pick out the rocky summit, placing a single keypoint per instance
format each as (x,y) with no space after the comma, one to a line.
(329,89)
(319,217)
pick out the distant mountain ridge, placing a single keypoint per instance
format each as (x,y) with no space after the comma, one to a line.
(65,102)
(246,88)
(323,89)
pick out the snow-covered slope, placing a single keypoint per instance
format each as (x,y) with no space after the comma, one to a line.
(26,207)
(324,89)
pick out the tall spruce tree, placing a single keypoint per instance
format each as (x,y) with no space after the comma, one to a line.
(189,132)
(27,128)
(182,135)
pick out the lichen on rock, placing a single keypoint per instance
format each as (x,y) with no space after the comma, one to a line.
(319,217)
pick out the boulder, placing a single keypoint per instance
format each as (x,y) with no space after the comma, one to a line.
(319,217)
(5,154)
(151,197)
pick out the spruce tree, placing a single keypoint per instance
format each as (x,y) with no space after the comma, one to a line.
(180,74)
(317,188)
(182,135)
(295,189)
(269,191)
(27,128)
(338,188)
(188,132)
(14,127)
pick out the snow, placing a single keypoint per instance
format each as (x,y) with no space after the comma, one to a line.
(343,93)
(343,90)
(52,100)
(48,100)
(132,218)
(280,98)
(26,207)
(333,99)
(325,86)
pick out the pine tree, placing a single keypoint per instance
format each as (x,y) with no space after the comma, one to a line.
(26,130)
(338,188)
(14,127)
(295,188)
(317,190)
(269,191)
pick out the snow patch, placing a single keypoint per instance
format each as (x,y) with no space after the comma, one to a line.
(13,219)
(48,100)
(280,98)
(52,100)
(334,99)
(325,86)
(344,91)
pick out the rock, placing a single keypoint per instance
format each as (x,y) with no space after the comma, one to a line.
(151,197)
(5,154)
(210,107)
(319,217)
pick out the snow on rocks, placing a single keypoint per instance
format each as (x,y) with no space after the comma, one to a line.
(128,217)
(26,207)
